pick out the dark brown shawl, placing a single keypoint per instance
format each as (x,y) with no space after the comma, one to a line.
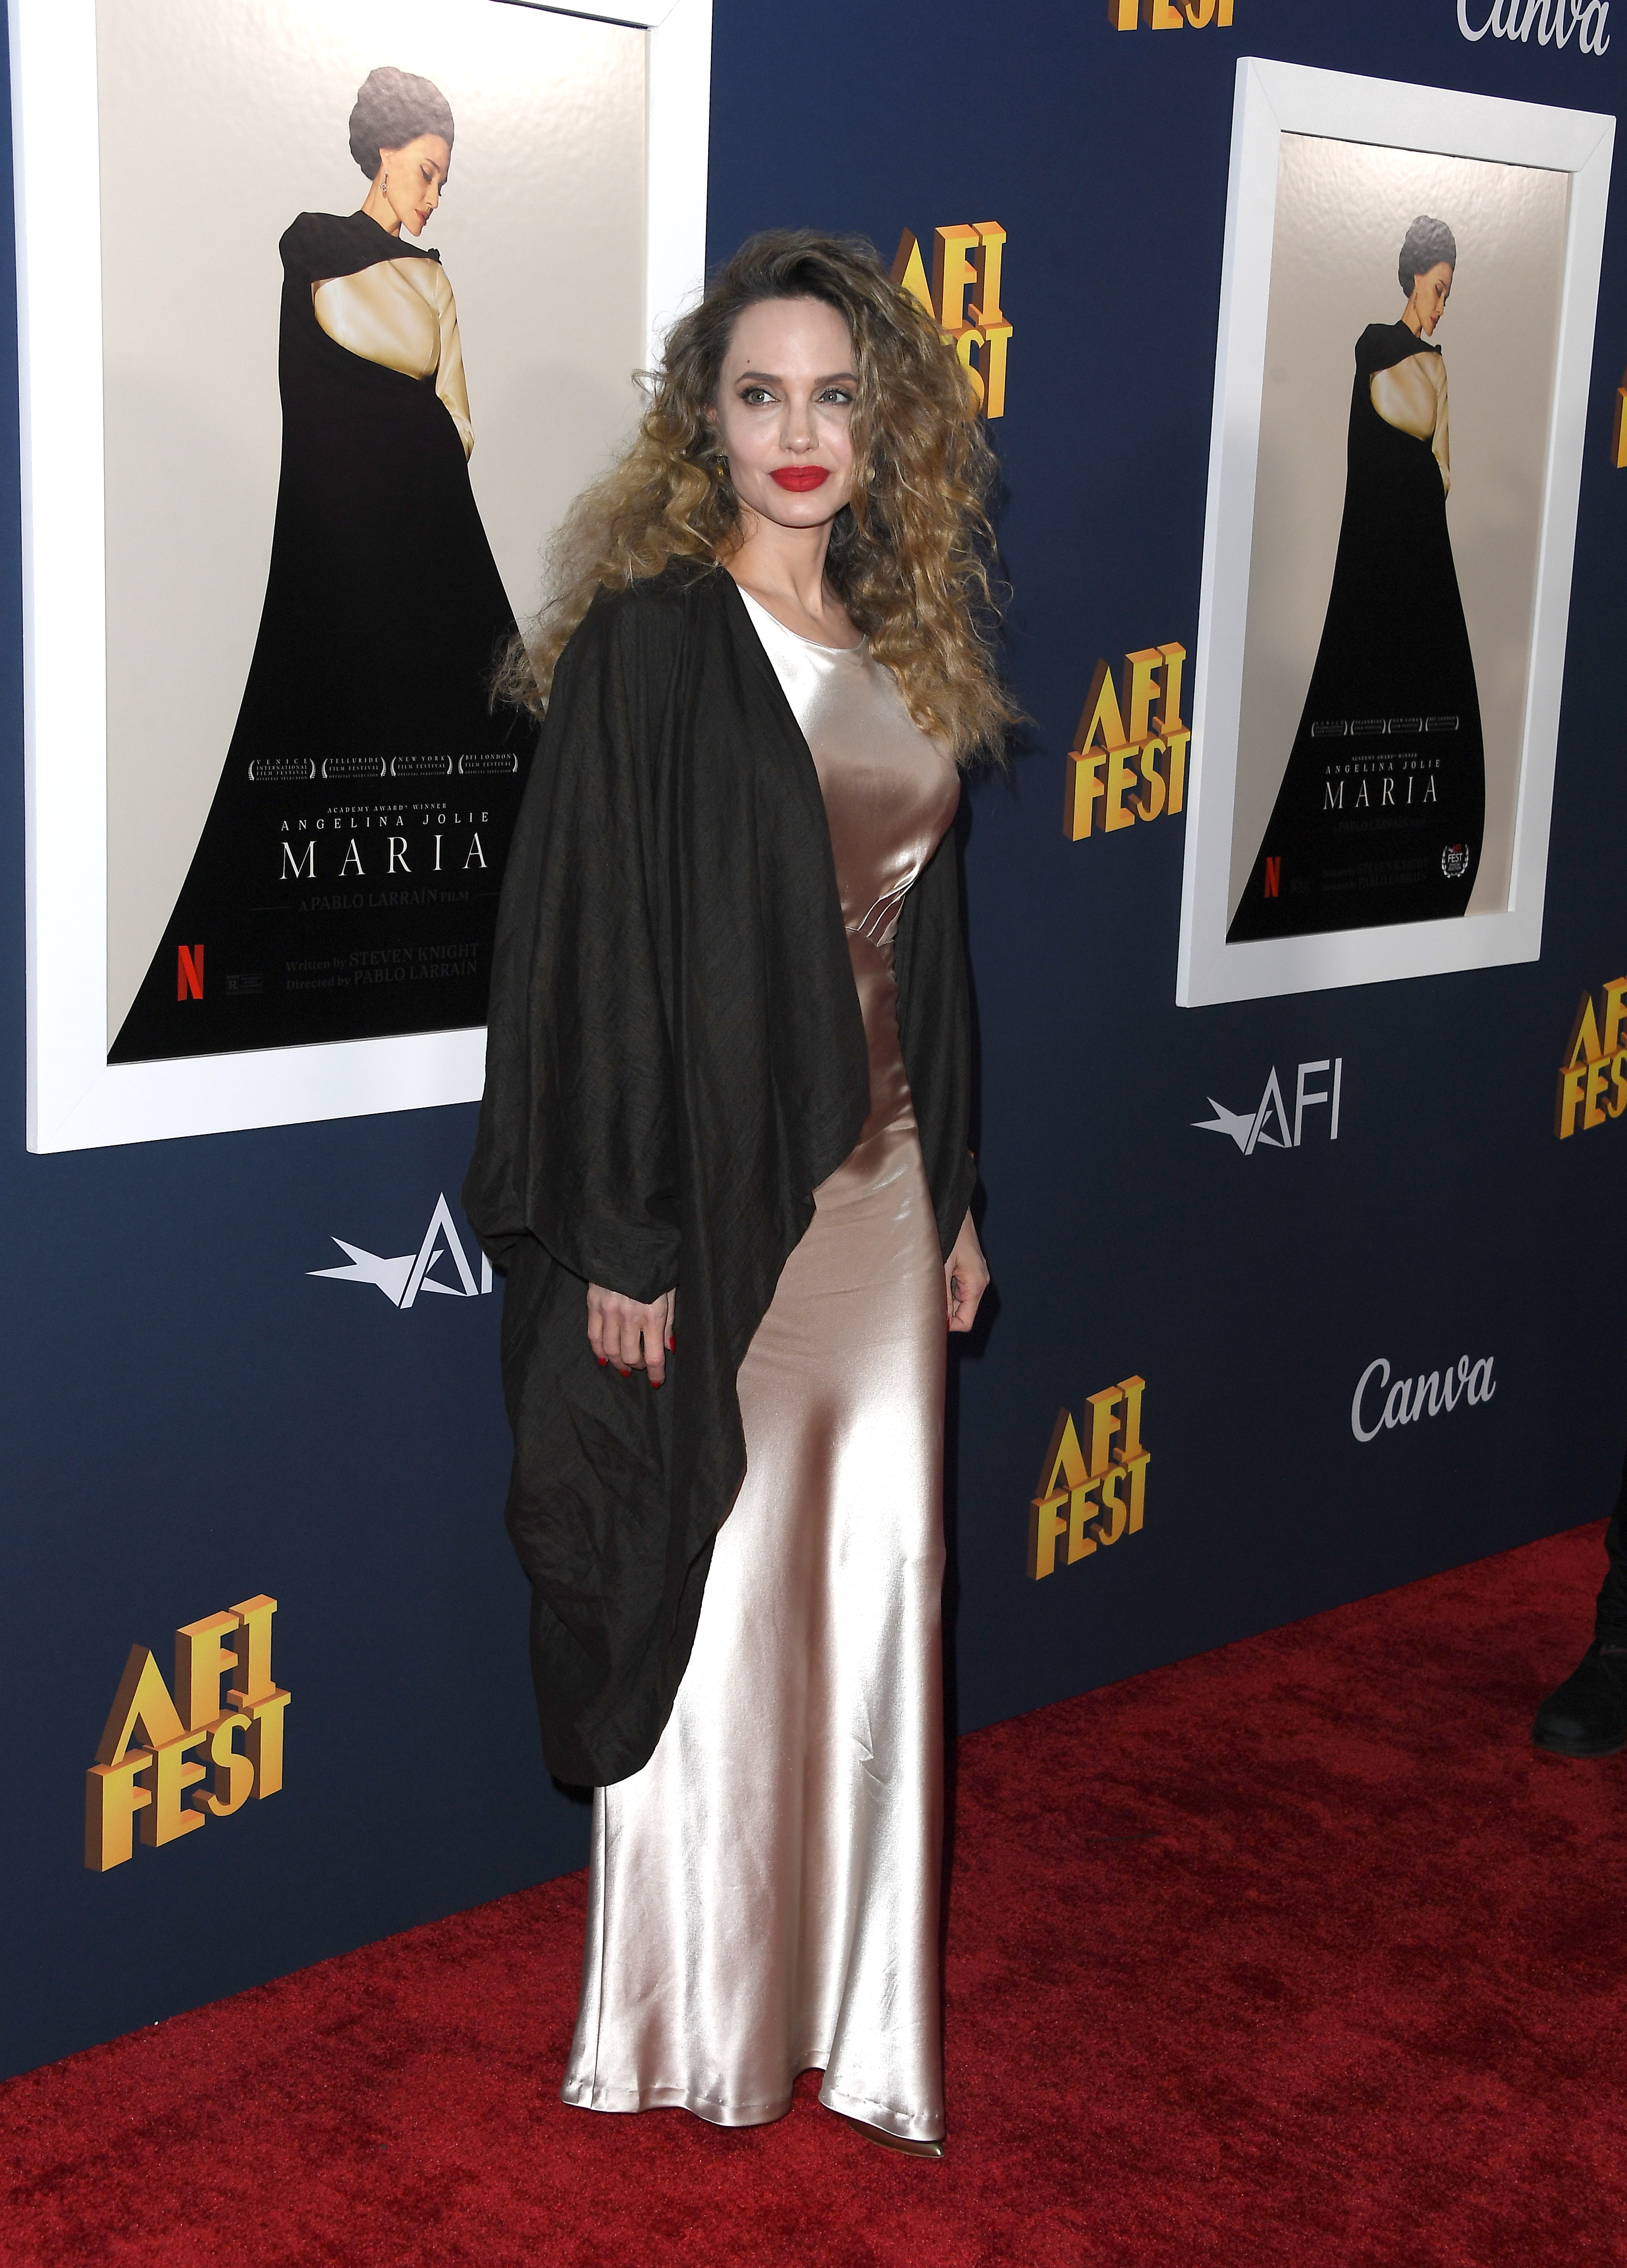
(675,1060)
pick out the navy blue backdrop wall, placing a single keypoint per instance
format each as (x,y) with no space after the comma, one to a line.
(191,1417)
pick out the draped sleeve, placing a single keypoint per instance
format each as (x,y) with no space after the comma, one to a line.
(935,1033)
(450,383)
(578,1144)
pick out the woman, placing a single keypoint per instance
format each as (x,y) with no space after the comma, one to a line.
(1380,815)
(723,1145)
(345,884)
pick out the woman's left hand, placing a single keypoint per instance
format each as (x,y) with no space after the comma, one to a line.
(965,1278)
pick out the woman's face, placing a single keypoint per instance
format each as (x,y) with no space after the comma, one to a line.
(785,410)
(412,179)
(1430,294)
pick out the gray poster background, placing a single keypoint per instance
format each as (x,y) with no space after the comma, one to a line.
(218,124)
(1342,211)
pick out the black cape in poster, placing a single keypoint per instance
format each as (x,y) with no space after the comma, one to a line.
(345,884)
(1380,815)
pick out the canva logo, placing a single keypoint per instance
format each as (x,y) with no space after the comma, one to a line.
(1144,754)
(1552,20)
(1410,1399)
(1250,1129)
(401,1278)
(966,256)
(151,1779)
(1094,1503)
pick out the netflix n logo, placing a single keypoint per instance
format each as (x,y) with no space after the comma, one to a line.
(189,972)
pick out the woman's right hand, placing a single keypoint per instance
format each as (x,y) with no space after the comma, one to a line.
(630,1335)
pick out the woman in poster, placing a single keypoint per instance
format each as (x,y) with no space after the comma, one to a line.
(345,883)
(723,1152)
(1380,812)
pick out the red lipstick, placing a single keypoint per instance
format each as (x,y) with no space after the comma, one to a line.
(799,478)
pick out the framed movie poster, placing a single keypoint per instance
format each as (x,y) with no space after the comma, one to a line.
(1406,337)
(327,309)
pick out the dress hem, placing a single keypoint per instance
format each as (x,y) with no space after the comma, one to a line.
(582,2094)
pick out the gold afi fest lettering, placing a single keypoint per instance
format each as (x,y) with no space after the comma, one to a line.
(187,1737)
(965,257)
(1169,15)
(1592,1078)
(1088,1504)
(1144,755)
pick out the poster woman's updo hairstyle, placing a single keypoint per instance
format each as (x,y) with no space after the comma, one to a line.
(393,107)
(1428,243)
(909,553)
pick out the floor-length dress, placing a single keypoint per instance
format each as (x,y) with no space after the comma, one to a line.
(764,1895)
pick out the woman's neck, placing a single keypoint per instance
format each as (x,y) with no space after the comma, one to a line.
(783,569)
(377,207)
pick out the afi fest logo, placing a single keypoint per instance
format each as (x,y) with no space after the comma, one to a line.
(152,1778)
(965,257)
(1410,1399)
(1592,1078)
(1144,754)
(1169,15)
(1552,20)
(1085,1505)
(1249,1129)
(402,1279)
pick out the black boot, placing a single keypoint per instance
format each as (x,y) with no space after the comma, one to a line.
(1586,1716)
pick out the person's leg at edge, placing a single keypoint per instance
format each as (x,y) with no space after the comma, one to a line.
(1586,1716)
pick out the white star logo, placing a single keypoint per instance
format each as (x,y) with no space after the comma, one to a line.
(1246,1128)
(1238,1123)
(403,1277)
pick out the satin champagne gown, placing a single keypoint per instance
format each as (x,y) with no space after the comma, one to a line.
(764,1896)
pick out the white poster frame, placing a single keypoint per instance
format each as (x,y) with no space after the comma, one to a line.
(1274,98)
(75,1100)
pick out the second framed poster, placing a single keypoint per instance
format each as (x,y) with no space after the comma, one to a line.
(1387,568)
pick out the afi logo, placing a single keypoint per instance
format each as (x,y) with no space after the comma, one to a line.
(1249,1128)
(402,1279)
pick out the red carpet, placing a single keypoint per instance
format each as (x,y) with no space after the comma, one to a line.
(1296,1952)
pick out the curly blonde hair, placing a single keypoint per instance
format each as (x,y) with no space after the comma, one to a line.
(909,555)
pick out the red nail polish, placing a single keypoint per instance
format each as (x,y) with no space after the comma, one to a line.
(601,1361)
(626,1373)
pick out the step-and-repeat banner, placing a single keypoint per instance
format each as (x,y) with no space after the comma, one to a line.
(1295,916)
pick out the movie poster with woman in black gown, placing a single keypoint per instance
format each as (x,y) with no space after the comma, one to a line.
(1380,812)
(1405,420)
(311,787)
(345,882)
